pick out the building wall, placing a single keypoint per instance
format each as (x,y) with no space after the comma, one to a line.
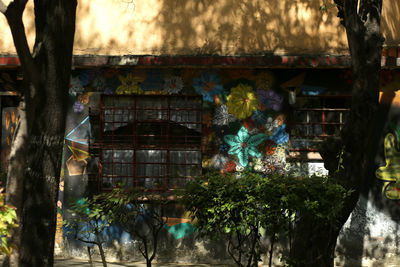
(225,27)
(269,116)
(371,232)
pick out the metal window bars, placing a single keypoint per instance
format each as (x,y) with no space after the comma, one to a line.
(314,120)
(147,141)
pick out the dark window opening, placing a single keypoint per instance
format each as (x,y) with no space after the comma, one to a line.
(314,119)
(147,141)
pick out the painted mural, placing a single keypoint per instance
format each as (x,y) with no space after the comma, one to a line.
(244,119)
(10,121)
(389,174)
(247,117)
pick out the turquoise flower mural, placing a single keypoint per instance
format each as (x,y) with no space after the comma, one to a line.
(207,85)
(243,144)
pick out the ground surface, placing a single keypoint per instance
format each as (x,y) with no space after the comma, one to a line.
(73,262)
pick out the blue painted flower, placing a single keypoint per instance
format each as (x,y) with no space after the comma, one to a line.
(259,117)
(243,144)
(207,85)
(223,148)
(280,136)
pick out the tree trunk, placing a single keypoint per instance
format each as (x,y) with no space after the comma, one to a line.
(47,72)
(315,246)
(100,245)
(15,174)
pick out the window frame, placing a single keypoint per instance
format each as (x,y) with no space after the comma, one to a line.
(98,145)
(312,154)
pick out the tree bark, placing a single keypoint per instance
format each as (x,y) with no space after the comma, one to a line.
(38,150)
(315,246)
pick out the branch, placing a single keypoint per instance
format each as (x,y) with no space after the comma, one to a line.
(231,252)
(352,21)
(4,5)
(13,13)
(350,7)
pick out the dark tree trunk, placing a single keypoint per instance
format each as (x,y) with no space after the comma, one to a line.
(46,74)
(314,246)
(100,245)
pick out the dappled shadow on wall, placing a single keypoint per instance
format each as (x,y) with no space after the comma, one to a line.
(372,233)
(202,27)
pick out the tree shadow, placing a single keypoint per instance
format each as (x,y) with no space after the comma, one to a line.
(364,236)
(257,27)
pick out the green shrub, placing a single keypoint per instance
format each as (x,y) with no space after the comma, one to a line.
(140,213)
(239,209)
(87,222)
(8,220)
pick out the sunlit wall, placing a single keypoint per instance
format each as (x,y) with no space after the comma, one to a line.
(224,27)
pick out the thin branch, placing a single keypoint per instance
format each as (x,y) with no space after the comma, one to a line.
(231,252)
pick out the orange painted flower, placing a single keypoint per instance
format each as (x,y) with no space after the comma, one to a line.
(270,147)
(230,166)
(84,98)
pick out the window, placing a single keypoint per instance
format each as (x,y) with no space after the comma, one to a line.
(148,141)
(315,118)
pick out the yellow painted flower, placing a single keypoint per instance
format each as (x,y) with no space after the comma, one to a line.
(130,85)
(242,101)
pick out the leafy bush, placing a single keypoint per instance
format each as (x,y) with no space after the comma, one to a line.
(238,209)
(140,213)
(87,222)
(8,220)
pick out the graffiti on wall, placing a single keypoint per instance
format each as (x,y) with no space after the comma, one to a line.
(9,124)
(390,173)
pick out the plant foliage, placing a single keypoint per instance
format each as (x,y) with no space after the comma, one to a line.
(88,221)
(243,209)
(8,220)
(140,213)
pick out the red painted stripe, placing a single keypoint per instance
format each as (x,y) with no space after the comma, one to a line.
(9,61)
(269,60)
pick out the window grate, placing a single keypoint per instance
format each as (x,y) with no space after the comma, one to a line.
(147,141)
(314,119)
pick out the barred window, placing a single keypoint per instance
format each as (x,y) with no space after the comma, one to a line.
(314,119)
(148,141)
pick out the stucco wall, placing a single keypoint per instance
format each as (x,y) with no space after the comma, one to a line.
(225,27)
